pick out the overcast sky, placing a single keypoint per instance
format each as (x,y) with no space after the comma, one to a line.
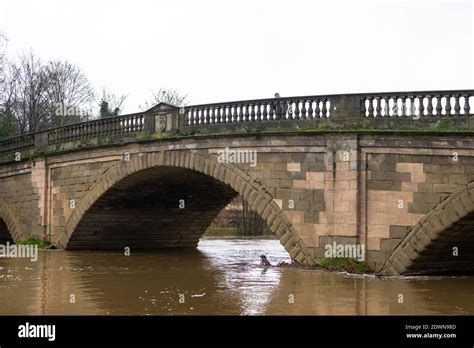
(228,50)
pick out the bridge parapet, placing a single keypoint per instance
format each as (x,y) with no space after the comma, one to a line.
(420,110)
(376,110)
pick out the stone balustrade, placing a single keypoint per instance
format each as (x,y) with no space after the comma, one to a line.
(398,110)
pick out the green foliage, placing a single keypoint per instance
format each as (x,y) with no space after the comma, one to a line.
(7,125)
(33,240)
(106,111)
(344,264)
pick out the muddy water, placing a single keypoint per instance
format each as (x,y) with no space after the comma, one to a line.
(220,277)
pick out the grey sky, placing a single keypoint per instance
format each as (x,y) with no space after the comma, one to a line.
(222,50)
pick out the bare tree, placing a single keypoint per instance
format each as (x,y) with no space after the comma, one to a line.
(69,93)
(164,95)
(3,49)
(7,120)
(28,97)
(248,221)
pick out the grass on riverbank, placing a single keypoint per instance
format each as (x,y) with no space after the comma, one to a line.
(42,244)
(343,264)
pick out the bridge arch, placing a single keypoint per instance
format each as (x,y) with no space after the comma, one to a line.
(227,174)
(9,225)
(441,242)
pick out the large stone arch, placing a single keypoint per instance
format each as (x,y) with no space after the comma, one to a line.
(256,195)
(10,221)
(428,247)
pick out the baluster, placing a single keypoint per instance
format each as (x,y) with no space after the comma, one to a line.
(289,110)
(310,108)
(421,106)
(404,106)
(217,114)
(457,104)
(412,105)
(277,109)
(186,117)
(371,106)
(466,108)
(303,109)
(239,113)
(439,107)
(429,108)
(247,113)
(223,114)
(227,114)
(231,114)
(448,106)
(387,106)
(251,106)
(325,108)
(210,115)
(394,108)
(317,111)
(265,111)
(383,109)
(270,111)
(378,106)
(259,112)
(363,107)
(296,110)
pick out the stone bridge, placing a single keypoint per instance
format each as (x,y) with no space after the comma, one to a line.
(392,172)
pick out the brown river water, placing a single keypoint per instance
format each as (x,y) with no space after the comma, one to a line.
(221,277)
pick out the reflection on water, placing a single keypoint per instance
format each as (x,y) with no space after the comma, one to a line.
(221,277)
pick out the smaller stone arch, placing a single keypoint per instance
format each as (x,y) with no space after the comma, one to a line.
(451,211)
(10,221)
(256,195)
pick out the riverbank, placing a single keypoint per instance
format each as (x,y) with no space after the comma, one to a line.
(232,232)
(334,265)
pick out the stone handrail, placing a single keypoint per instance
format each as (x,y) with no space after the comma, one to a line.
(434,103)
(377,110)
(118,125)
